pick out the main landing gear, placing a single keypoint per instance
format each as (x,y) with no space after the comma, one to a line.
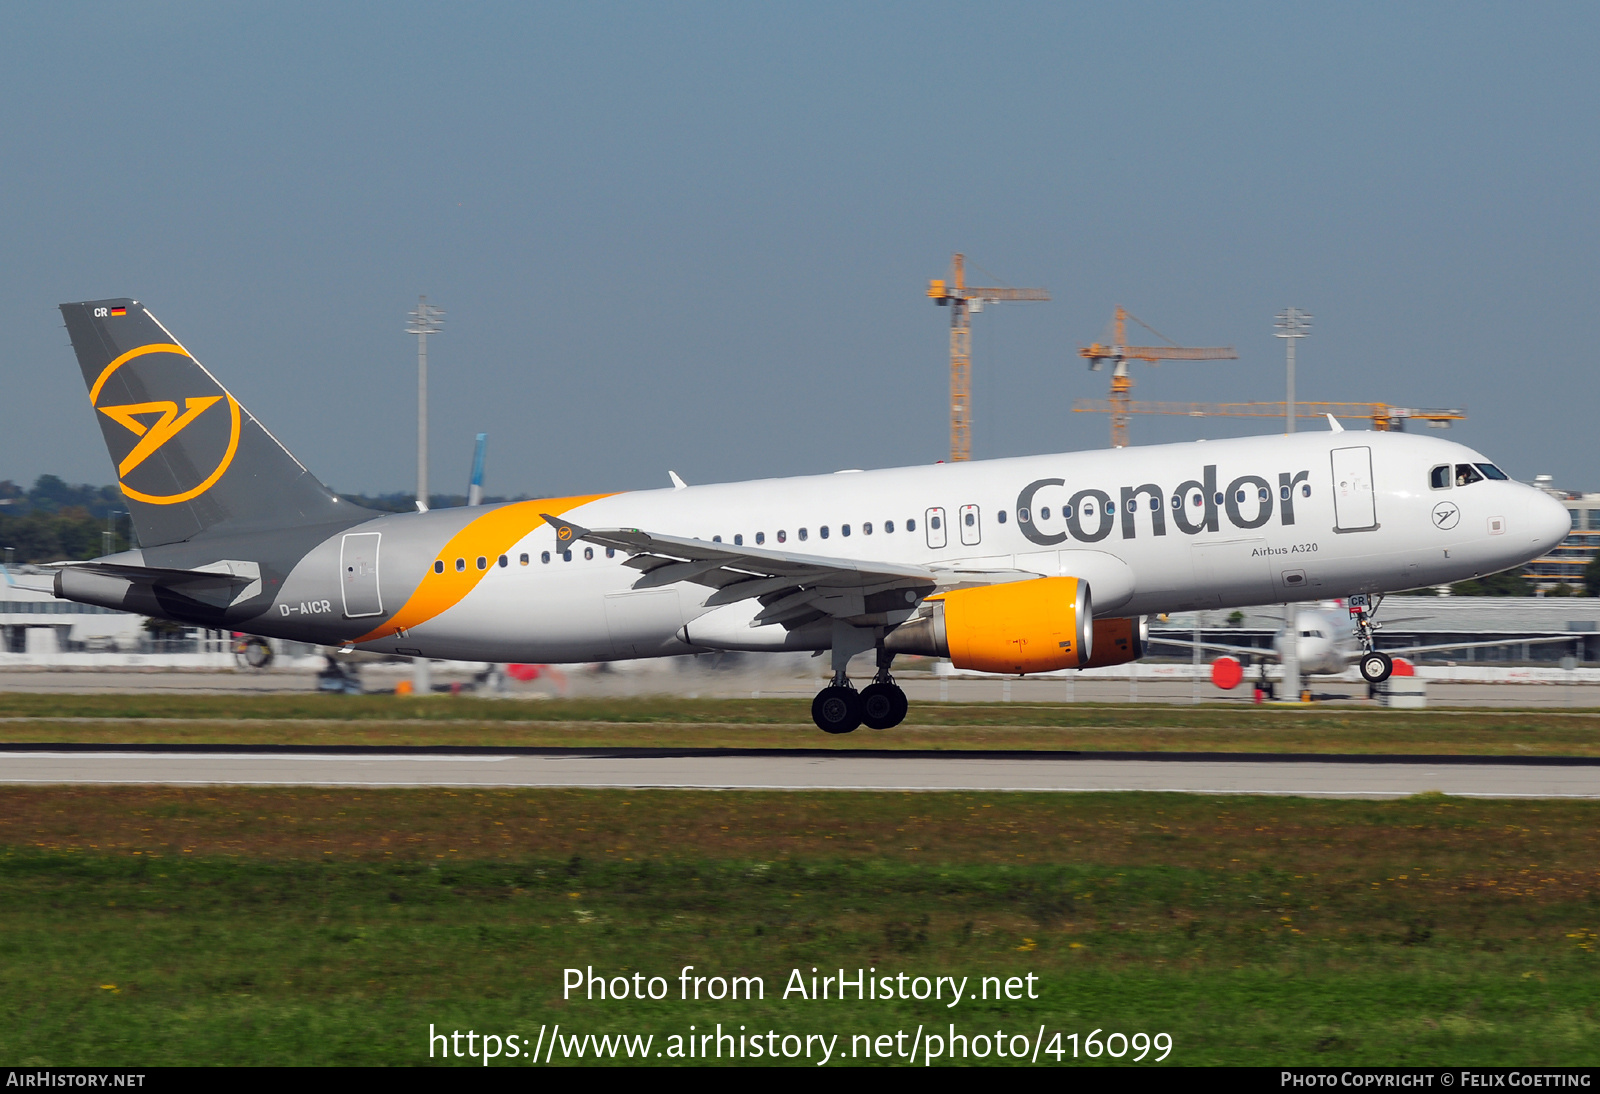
(839,708)
(1375,665)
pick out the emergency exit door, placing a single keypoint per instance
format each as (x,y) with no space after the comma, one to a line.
(1354,509)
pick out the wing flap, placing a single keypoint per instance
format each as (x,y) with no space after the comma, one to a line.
(793,589)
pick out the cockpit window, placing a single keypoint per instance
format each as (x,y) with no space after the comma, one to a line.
(1467,474)
(1492,471)
(1439,477)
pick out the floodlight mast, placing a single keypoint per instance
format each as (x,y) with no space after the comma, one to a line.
(425,319)
(1293,325)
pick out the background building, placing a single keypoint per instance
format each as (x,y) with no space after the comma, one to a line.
(1565,563)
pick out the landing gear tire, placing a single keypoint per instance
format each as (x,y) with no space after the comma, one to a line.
(252,652)
(836,709)
(883,706)
(1376,667)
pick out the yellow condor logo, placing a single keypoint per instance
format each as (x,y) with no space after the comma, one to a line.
(167,422)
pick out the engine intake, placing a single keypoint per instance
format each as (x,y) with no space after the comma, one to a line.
(1015,627)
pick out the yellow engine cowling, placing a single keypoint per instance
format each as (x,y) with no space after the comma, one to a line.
(1117,641)
(1014,627)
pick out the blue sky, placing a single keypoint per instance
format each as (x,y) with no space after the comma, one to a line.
(697,236)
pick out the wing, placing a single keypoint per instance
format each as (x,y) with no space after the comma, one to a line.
(793,589)
(1536,640)
(1242,651)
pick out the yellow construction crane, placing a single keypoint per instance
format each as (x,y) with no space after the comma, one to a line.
(1384,418)
(1120,352)
(961,299)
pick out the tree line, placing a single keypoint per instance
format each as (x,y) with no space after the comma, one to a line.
(56,521)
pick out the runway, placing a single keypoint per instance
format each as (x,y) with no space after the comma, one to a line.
(817,769)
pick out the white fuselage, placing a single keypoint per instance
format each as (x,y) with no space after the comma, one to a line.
(1200,525)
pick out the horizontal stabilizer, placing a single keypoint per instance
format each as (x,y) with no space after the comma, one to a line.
(121,585)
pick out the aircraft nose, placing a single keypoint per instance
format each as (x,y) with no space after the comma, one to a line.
(1548,520)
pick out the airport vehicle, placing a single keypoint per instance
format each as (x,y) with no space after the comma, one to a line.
(1016,565)
(1326,643)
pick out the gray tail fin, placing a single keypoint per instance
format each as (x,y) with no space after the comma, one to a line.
(189,458)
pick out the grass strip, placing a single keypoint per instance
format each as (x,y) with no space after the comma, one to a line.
(778,723)
(169,925)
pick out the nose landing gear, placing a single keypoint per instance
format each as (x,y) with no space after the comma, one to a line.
(1375,666)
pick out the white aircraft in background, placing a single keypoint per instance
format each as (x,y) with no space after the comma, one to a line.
(1014,566)
(1327,642)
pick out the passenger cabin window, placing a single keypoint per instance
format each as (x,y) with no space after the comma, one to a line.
(1000,515)
(804,535)
(888,526)
(823,531)
(1439,477)
(738,540)
(523,558)
(866,528)
(588,554)
(438,566)
(1466,474)
(783,537)
(544,556)
(911,525)
(761,537)
(504,562)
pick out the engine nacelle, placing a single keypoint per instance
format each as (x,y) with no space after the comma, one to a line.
(1014,627)
(1118,641)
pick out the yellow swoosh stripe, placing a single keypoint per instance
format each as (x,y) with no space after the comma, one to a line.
(491,535)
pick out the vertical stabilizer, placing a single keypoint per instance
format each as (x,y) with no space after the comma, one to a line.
(190,460)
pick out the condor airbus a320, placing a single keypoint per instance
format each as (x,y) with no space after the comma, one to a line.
(1014,566)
